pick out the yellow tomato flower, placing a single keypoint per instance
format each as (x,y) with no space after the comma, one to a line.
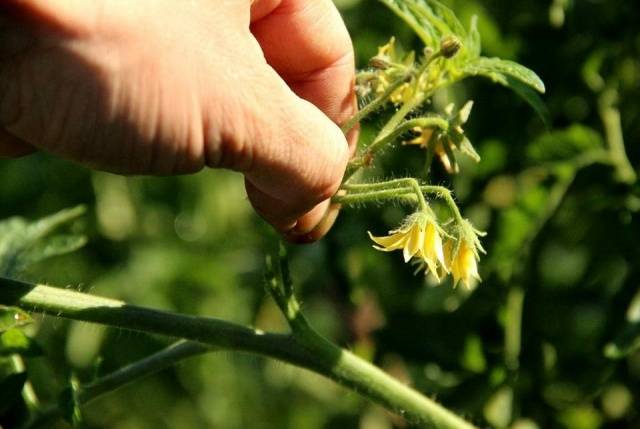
(418,237)
(462,262)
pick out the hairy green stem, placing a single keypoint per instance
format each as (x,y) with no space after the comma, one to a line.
(393,190)
(375,104)
(312,352)
(429,122)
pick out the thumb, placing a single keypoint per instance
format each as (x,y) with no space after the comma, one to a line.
(292,155)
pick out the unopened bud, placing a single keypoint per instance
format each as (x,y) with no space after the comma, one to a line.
(379,63)
(449,46)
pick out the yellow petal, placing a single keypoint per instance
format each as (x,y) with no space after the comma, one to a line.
(414,242)
(390,242)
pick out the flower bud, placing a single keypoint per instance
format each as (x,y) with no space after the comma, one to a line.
(449,46)
(379,63)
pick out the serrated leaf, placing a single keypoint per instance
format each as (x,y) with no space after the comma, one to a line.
(499,70)
(23,243)
(55,246)
(473,43)
(417,24)
(517,77)
(11,390)
(13,317)
(14,341)
(532,98)
(561,145)
(429,19)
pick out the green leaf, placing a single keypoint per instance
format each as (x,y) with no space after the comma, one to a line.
(429,19)
(13,317)
(408,11)
(473,43)
(22,243)
(11,390)
(498,70)
(14,341)
(518,78)
(532,98)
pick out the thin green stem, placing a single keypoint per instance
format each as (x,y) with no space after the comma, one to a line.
(375,104)
(28,393)
(128,374)
(312,352)
(613,131)
(165,358)
(513,328)
(429,122)
(396,189)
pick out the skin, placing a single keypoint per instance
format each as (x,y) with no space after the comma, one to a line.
(163,87)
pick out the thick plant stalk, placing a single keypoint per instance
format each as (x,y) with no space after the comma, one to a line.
(304,348)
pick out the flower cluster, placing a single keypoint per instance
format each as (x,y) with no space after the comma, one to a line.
(389,66)
(420,240)
(444,143)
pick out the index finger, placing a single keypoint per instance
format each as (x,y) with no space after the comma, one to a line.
(308,45)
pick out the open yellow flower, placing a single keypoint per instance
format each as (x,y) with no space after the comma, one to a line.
(418,237)
(462,262)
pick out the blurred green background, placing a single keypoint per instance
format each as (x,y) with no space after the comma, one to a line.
(524,350)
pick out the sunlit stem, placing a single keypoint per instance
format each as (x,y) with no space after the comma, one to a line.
(430,122)
(396,189)
(377,103)
(313,352)
(381,142)
(384,136)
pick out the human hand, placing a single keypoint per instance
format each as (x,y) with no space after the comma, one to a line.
(165,87)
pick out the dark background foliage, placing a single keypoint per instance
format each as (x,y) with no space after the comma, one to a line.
(524,349)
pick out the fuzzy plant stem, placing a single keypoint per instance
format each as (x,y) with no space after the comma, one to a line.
(396,189)
(375,104)
(305,348)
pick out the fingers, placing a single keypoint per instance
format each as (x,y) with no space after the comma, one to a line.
(293,156)
(309,47)
(307,43)
(298,160)
(13,147)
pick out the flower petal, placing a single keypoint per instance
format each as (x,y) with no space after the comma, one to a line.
(414,242)
(390,242)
